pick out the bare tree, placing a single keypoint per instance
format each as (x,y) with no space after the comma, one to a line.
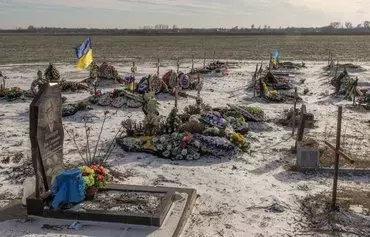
(367,24)
(359,26)
(252,26)
(335,25)
(349,25)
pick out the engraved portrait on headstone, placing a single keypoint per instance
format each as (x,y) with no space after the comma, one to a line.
(47,133)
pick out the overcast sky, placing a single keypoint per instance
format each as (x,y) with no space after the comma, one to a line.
(183,13)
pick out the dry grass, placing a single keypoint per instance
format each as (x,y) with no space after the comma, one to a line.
(319,217)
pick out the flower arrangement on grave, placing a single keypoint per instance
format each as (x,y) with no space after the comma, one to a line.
(129,82)
(71,109)
(264,87)
(11,94)
(238,139)
(94,177)
(94,70)
(95,95)
(51,74)
(214,118)
(238,124)
(199,132)
(257,111)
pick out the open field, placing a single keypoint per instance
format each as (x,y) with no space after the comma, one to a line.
(32,49)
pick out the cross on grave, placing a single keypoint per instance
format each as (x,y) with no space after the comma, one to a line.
(176,95)
(158,65)
(199,88)
(204,60)
(214,55)
(270,63)
(178,65)
(133,69)
(192,64)
(254,81)
(133,73)
(2,86)
(95,84)
(47,135)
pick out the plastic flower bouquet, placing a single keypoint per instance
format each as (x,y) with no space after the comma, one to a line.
(94,177)
(100,176)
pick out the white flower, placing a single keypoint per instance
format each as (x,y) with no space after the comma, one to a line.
(162,139)
(169,147)
(196,156)
(166,154)
(179,157)
(155,139)
(160,147)
(197,144)
(174,135)
(189,157)
(184,152)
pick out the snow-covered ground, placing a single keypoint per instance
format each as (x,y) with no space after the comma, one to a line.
(233,193)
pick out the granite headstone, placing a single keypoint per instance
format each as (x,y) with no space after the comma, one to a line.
(47,135)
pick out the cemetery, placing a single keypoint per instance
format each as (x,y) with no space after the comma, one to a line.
(191,147)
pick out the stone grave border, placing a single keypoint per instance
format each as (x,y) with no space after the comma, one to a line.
(37,207)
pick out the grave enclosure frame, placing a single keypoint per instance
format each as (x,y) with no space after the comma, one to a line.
(47,135)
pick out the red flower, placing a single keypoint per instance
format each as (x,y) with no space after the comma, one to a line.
(182,144)
(100,177)
(187,138)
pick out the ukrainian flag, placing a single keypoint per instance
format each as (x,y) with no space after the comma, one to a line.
(84,54)
(276,57)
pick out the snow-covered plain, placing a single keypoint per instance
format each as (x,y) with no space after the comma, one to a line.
(232,191)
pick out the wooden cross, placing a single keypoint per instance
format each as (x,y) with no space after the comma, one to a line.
(133,73)
(294,108)
(199,89)
(176,95)
(204,60)
(150,83)
(336,165)
(158,65)
(214,55)
(2,86)
(270,64)
(254,81)
(192,64)
(95,84)
(133,69)
(178,65)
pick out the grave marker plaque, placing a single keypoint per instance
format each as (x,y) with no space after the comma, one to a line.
(47,135)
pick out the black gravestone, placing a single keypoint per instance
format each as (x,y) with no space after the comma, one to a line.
(47,135)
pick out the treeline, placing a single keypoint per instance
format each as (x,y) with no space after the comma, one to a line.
(332,29)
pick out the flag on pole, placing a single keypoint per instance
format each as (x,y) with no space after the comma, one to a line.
(84,54)
(276,57)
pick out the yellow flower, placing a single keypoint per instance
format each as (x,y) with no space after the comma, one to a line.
(147,143)
(237,137)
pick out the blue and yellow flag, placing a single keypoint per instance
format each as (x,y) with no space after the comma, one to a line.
(84,54)
(276,57)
